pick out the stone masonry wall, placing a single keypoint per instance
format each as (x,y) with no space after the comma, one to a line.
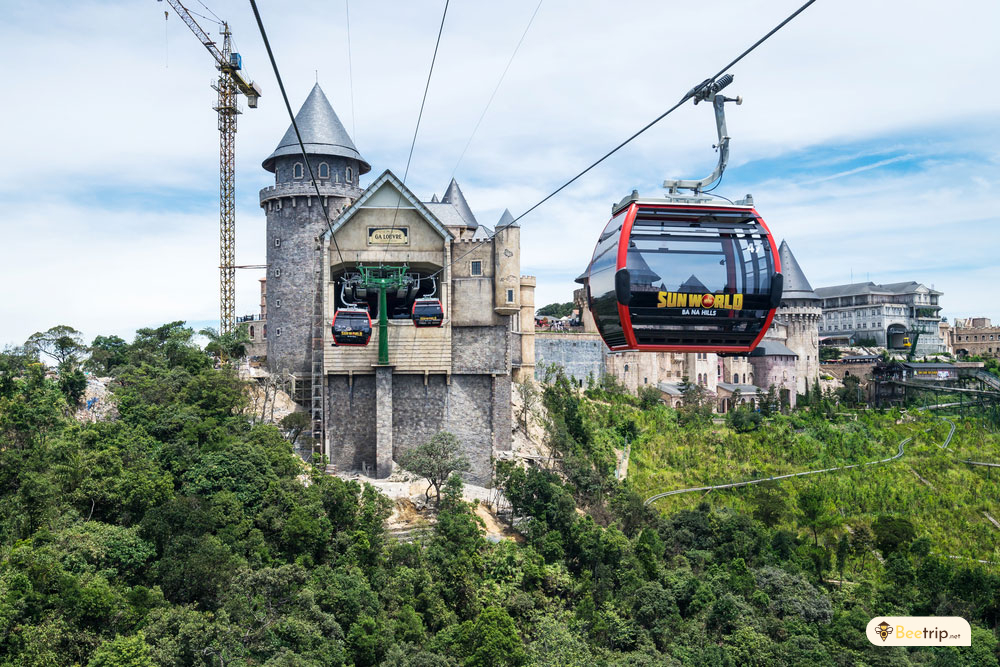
(579,354)
(470,417)
(351,422)
(479,349)
(292,225)
(418,410)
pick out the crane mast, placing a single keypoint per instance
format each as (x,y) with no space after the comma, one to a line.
(229,85)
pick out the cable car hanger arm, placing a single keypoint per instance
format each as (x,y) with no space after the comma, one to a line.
(708,90)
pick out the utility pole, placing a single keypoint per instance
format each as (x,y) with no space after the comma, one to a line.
(229,85)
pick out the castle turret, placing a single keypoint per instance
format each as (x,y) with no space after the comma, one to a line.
(295,219)
(507,266)
(800,311)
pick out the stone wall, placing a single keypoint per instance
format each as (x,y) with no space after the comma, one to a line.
(418,410)
(293,223)
(350,425)
(580,354)
(469,416)
(777,370)
(479,350)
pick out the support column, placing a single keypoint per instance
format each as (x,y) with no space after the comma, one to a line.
(383,421)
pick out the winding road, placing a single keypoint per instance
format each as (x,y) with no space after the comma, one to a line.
(733,485)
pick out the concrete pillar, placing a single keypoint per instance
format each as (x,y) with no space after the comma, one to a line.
(383,421)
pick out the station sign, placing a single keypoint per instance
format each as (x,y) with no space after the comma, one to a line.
(388,236)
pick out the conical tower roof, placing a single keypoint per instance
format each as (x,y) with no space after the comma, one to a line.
(322,133)
(795,286)
(453,195)
(506,220)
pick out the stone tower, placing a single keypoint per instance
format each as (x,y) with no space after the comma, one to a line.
(800,311)
(295,220)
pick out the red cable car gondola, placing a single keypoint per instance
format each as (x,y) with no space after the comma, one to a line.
(427,313)
(686,273)
(352,326)
(668,276)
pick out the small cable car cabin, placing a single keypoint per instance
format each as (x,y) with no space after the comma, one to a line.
(352,326)
(427,313)
(684,276)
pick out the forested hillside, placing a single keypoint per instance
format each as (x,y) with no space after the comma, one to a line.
(180,533)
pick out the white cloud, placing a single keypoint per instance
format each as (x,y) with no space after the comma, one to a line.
(109,184)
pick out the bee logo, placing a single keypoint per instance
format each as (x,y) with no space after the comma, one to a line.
(883,630)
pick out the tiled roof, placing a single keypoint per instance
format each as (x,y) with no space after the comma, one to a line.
(322,133)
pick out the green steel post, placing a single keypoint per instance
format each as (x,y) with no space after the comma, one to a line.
(383,326)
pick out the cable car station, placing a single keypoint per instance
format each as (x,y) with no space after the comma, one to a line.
(402,317)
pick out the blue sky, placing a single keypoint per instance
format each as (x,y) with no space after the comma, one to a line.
(870,144)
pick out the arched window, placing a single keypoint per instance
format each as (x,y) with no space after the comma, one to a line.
(324,170)
(251,332)
(350,175)
(297,170)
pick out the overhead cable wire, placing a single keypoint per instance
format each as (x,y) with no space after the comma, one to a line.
(350,70)
(295,126)
(487,107)
(209,10)
(690,94)
(420,115)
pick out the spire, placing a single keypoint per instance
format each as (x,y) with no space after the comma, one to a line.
(506,220)
(322,133)
(434,198)
(796,286)
(453,195)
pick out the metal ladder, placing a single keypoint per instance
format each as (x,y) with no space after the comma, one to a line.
(316,384)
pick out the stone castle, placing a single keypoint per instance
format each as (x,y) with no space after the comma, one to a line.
(456,377)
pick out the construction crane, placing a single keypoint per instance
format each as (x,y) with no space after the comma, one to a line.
(230,83)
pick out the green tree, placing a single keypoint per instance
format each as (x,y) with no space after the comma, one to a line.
(123,652)
(557,310)
(227,347)
(495,641)
(769,504)
(295,423)
(106,354)
(892,533)
(530,397)
(816,512)
(61,343)
(436,460)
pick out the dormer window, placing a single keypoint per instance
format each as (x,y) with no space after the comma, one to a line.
(297,170)
(324,170)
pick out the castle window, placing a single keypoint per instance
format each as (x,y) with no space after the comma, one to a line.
(277,303)
(264,332)
(251,332)
(350,175)
(297,170)
(277,243)
(277,332)
(277,273)
(476,267)
(510,296)
(324,170)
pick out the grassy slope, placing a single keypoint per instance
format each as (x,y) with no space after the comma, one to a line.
(949,510)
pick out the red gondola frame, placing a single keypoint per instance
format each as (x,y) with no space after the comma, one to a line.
(624,314)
